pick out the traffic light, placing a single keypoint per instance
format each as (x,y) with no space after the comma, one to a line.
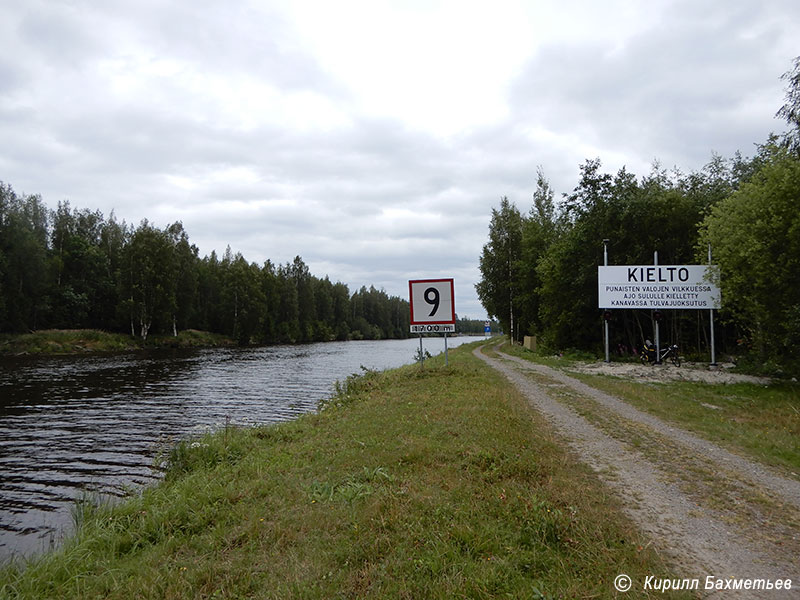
(657,315)
(607,315)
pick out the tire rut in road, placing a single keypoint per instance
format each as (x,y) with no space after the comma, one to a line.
(787,489)
(757,513)
(699,539)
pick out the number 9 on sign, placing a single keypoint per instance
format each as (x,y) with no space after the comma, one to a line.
(431,296)
(432,301)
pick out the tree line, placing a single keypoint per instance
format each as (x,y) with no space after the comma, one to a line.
(75,269)
(539,269)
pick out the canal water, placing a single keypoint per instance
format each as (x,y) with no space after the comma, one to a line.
(72,426)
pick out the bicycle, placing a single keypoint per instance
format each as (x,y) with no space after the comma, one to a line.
(648,356)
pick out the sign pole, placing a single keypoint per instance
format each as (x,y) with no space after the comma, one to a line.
(421,354)
(658,340)
(605,322)
(711,315)
(445,350)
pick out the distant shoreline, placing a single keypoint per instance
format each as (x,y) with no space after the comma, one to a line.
(65,342)
(76,342)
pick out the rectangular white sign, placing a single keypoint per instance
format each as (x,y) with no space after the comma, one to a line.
(432,301)
(657,286)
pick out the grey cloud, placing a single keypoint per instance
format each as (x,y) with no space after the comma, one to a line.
(226,37)
(58,33)
(675,93)
(670,93)
(12,76)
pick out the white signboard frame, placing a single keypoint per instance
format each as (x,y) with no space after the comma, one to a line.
(432,303)
(659,287)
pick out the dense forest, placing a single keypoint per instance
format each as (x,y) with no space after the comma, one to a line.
(539,269)
(74,269)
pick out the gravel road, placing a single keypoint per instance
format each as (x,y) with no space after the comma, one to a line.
(712,512)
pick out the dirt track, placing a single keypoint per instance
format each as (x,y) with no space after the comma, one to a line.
(713,512)
(667,372)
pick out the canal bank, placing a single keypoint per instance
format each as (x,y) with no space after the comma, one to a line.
(426,483)
(93,424)
(82,341)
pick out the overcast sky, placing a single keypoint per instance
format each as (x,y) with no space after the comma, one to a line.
(371,138)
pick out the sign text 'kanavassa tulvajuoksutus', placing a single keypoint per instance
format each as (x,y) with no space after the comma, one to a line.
(663,287)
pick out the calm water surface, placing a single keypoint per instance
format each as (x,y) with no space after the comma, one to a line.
(76,425)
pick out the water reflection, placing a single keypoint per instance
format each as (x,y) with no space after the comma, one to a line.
(72,425)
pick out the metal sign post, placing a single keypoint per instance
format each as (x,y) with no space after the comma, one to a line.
(711,315)
(605,321)
(656,320)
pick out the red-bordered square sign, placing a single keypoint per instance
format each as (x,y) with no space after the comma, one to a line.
(433,301)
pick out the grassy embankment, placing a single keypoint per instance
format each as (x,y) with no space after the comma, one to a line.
(434,483)
(77,341)
(759,421)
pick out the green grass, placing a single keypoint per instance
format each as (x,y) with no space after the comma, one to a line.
(414,483)
(79,341)
(189,338)
(760,421)
(66,341)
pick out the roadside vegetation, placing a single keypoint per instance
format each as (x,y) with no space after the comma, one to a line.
(539,266)
(434,482)
(759,421)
